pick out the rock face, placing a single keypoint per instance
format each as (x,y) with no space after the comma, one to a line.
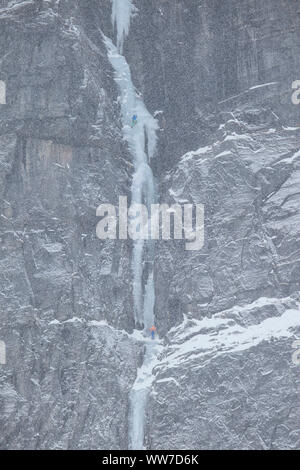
(218,77)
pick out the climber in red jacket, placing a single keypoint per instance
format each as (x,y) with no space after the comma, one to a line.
(153,330)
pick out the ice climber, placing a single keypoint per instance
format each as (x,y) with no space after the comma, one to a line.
(153,330)
(134,120)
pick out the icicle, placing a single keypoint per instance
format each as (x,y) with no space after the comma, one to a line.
(122,11)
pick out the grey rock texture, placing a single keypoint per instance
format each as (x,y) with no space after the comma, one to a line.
(219,396)
(227,315)
(248,180)
(61,156)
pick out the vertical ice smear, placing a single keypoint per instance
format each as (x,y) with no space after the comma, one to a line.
(142,141)
(149,300)
(120,17)
(2,92)
(142,150)
(139,396)
(131,103)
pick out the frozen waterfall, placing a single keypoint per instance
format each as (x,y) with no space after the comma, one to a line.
(142,140)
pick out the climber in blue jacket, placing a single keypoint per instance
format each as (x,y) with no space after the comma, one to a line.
(134,120)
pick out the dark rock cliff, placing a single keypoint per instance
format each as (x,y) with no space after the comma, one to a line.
(218,76)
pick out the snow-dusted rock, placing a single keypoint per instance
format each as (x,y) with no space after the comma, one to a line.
(217,77)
